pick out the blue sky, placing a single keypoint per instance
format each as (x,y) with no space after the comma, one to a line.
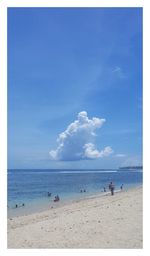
(67,61)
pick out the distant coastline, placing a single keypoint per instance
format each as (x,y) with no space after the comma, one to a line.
(131,167)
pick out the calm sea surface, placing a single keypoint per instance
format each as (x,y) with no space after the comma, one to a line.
(30,187)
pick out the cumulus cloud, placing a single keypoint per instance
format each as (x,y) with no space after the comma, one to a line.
(91,152)
(76,142)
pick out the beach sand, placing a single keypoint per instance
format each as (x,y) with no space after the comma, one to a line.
(97,222)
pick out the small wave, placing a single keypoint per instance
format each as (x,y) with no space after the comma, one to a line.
(62,172)
(75,172)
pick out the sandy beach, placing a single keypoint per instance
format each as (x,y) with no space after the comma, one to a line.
(97,222)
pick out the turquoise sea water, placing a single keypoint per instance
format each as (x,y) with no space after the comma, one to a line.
(30,187)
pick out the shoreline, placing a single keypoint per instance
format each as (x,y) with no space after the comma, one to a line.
(44,205)
(83,223)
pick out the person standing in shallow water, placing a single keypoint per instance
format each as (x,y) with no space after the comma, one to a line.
(121,187)
(111,188)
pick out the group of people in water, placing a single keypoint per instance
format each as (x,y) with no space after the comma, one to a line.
(56,199)
(19,205)
(82,190)
(111,187)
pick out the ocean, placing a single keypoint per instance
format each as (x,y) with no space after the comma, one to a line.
(28,189)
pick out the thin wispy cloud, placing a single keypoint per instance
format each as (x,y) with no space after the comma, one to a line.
(119,72)
(117,69)
(132,161)
(76,142)
(120,155)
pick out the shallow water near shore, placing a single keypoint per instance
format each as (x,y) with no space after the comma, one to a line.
(30,187)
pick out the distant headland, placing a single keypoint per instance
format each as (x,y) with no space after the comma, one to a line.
(139,167)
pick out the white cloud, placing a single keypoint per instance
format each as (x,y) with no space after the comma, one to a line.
(106,151)
(76,142)
(91,152)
